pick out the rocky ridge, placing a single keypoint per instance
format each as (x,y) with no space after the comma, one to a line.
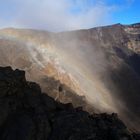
(28,114)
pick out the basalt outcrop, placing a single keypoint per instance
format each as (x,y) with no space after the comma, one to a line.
(28,114)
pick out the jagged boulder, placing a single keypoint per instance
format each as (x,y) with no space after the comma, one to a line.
(28,114)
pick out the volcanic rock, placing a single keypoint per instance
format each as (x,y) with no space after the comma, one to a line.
(98,66)
(28,114)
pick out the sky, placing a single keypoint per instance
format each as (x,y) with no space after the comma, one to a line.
(61,15)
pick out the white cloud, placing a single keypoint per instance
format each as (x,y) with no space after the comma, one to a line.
(57,15)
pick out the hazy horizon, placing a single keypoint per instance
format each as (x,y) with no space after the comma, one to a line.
(65,15)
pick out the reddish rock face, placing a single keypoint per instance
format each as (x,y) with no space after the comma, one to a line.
(101,66)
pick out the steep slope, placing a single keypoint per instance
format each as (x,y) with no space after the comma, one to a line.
(28,114)
(101,65)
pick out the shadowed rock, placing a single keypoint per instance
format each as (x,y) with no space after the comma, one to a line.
(28,114)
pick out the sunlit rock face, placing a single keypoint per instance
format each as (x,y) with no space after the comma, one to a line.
(100,65)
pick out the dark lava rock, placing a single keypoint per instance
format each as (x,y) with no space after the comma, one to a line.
(28,114)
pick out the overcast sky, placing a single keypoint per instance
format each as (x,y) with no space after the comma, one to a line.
(60,15)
